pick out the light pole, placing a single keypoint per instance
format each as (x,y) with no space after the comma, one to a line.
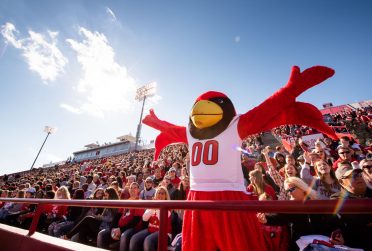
(48,130)
(141,95)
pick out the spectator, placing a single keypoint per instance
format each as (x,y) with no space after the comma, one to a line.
(103,183)
(298,224)
(258,185)
(54,213)
(140,181)
(366,166)
(345,154)
(12,208)
(123,228)
(325,184)
(267,178)
(352,183)
(158,178)
(149,191)
(172,173)
(91,185)
(89,226)
(147,239)
(355,230)
(168,184)
(73,216)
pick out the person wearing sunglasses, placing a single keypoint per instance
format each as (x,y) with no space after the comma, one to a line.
(299,224)
(147,239)
(345,154)
(366,166)
(352,183)
(355,228)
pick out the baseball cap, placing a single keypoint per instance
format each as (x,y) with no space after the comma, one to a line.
(172,169)
(344,171)
(31,190)
(149,179)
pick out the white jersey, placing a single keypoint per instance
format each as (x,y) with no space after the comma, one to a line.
(215,164)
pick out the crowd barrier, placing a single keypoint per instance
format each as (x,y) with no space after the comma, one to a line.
(360,206)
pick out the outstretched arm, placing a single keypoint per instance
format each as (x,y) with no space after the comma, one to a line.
(169,133)
(268,112)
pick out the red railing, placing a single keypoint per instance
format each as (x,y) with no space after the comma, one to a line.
(363,206)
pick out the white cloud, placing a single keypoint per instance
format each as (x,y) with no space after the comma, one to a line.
(43,57)
(105,86)
(70,108)
(112,14)
(8,30)
(237,39)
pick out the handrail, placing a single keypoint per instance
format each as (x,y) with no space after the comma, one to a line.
(295,207)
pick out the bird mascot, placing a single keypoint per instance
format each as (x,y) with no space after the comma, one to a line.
(213,132)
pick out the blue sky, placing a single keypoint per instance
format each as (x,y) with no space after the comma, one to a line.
(75,65)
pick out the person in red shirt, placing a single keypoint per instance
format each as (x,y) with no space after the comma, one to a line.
(345,154)
(129,223)
(147,239)
(54,213)
(173,177)
(258,185)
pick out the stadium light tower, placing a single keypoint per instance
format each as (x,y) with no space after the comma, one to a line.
(141,95)
(48,130)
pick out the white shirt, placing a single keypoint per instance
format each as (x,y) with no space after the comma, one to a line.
(215,163)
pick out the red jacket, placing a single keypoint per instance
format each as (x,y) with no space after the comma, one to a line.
(152,216)
(128,216)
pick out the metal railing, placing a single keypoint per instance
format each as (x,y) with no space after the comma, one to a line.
(358,206)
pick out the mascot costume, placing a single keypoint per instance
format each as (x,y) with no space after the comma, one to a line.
(212,135)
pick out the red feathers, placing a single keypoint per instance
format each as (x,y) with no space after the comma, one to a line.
(209,95)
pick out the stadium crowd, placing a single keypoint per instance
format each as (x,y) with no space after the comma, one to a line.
(331,170)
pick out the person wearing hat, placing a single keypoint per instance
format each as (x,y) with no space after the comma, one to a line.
(345,154)
(30,192)
(354,229)
(149,191)
(352,183)
(366,166)
(173,177)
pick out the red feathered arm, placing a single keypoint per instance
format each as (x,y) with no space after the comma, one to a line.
(301,114)
(281,108)
(169,133)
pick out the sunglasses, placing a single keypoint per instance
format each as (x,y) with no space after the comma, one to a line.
(367,166)
(290,190)
(346,152)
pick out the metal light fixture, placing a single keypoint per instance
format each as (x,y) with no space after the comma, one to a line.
(49,130)
(142,93)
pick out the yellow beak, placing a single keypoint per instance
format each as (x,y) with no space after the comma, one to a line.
(205,114)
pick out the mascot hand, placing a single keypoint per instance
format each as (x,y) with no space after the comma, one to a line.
(153,121)
(151,118)
(301,81)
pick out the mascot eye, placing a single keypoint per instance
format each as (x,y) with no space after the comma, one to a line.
(220,101)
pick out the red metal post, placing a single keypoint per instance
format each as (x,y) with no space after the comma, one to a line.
(163,230)
(35,219)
